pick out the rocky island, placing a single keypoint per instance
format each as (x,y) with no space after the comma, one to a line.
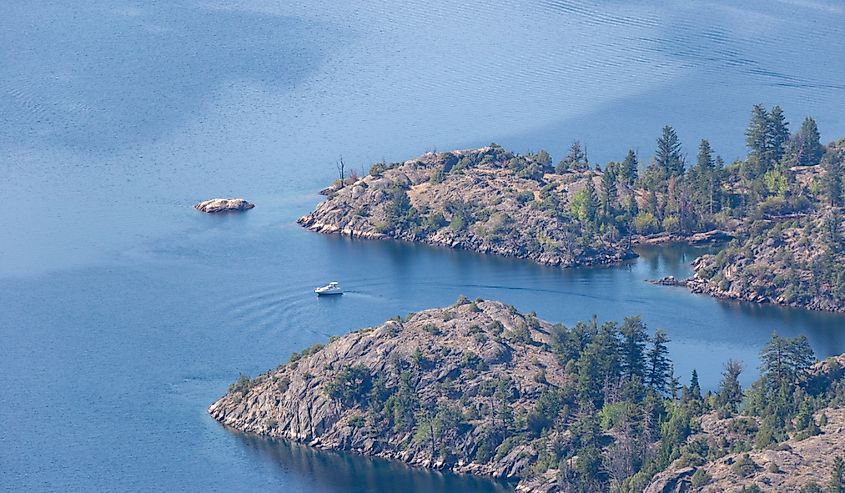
(213,206)
(478,387)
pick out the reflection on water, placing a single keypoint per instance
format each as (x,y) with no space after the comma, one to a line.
(349,473)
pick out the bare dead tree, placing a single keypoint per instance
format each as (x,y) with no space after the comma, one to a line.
(340,169)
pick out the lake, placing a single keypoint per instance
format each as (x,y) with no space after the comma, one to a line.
(124,313)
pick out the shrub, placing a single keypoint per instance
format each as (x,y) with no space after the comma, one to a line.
(699,479)
(431,329)
(350,385)
(744,466)
(524,197)
(242,385)
(645,223)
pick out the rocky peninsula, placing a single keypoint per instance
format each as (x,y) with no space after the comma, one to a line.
(487,200)
(478,387)
(214,206)
(797,262)
(429,390)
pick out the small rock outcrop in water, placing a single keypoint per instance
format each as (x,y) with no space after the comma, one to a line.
(488,200)
(669,281)
(223,205)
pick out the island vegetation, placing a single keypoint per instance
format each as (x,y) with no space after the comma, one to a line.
(478,387)
(782,204)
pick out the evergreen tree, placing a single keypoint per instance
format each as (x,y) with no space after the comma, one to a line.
(575,160)
(785,361)
(659,365)
(630,167)
(634,338)
(668,158)
(652,206)
(591,204)
(608,191)
(716,185)
(837,476)
(704,159)
(729,395)
(694,387)
(674,383)
(757,136)
(399,211)
(702,180)
(778,131)
(833,164)
(807,146)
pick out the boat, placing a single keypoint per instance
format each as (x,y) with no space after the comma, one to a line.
(328,289)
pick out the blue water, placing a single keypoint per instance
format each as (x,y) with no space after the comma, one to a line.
(124,313)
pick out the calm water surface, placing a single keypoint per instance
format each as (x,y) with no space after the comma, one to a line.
(124,313)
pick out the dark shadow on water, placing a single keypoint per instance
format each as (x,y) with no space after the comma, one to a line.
(352,473)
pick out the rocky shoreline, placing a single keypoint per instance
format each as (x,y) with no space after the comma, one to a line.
(791,262)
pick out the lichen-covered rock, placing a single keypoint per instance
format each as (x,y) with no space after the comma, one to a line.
(212,206)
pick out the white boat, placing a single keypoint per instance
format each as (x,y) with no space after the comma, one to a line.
(330,288)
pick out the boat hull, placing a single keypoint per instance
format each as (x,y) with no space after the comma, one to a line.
(328,293)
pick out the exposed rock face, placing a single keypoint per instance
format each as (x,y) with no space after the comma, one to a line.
(782,467)
(446,358)
(713,237)
(487,200)
(793,262)
(223,205)
(786,468)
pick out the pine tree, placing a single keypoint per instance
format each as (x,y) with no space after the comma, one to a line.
(837,476)
(807,146)
(652,206)
(630,167)
(694,387)
(608,191)
(674,383)
(785,361)
(729,395)
(634,338)
(778,130)
(592,201)
(757,136)
(668,156)
(704,160)
(833,165)
(659,365)
(574,160)
(716,185)
(398,209)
